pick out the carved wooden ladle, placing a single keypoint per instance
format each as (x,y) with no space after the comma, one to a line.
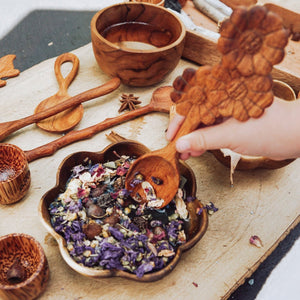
(14,169)
(240,86)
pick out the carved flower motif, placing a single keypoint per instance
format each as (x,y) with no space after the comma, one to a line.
(252,41)
(238,96)
(190,93)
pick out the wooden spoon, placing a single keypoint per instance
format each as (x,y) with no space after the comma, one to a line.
(161,165)
(7,128)
(69,118)
(227,89)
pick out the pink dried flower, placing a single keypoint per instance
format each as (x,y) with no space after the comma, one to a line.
(256,241)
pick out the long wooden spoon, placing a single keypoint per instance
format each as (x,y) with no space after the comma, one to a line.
(69,118)
(7,128)
(160,102)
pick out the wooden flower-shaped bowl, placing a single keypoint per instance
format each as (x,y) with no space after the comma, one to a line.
(138,42)
(24,270)
(195,230)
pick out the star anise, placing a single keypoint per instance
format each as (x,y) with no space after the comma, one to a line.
(128,102)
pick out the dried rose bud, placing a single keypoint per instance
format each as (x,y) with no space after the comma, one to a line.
(159,230)
(95,211)
(16,273)
(91,230)
(98,191)
(256,241)
(112,220)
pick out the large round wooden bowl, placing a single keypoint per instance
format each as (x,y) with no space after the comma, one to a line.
(282,91)
(24,270)
(138,42)
(194,231)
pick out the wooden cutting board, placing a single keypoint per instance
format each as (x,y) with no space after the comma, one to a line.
(202,48)
(262,202)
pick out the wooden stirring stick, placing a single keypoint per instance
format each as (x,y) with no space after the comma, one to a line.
(240,86)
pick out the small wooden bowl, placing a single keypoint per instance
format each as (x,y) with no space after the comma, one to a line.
(280,90)
(14,174)
(138,42)
(197,225)
(24,270)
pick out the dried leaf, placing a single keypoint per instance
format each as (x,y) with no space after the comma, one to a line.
(7,68)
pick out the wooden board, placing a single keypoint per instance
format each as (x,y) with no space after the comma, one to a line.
(202,49)
(262,202)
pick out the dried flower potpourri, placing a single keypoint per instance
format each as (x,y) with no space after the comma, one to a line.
(105,229)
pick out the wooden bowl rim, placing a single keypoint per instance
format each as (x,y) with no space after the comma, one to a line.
(37,271)
(177,42)
(24,161)
(90,272)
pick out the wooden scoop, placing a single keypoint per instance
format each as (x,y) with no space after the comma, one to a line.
(160,166)
(69,118)
(7,128)
(239,88)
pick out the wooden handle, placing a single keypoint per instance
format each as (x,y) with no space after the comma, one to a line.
(9,127)
(77,135)
(64,82)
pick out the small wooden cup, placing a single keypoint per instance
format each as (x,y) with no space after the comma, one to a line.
(138,42)
(24,270)
(14,174)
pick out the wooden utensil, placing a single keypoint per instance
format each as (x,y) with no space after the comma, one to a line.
(7,128)
(69,118)
(239,86)
(14,169)
(162,164)
(160,102)
(24,270)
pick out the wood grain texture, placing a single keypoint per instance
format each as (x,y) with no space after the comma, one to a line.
(68,119)
(14,174)
(7,69)
(201,49)
(9,127)
(145,24)
(32,258)
(222,260)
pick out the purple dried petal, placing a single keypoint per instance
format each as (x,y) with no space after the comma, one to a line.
(144,268)
(117,234)
(190,199)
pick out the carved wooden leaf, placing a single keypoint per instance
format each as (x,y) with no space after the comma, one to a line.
(7,68)
(252,41)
